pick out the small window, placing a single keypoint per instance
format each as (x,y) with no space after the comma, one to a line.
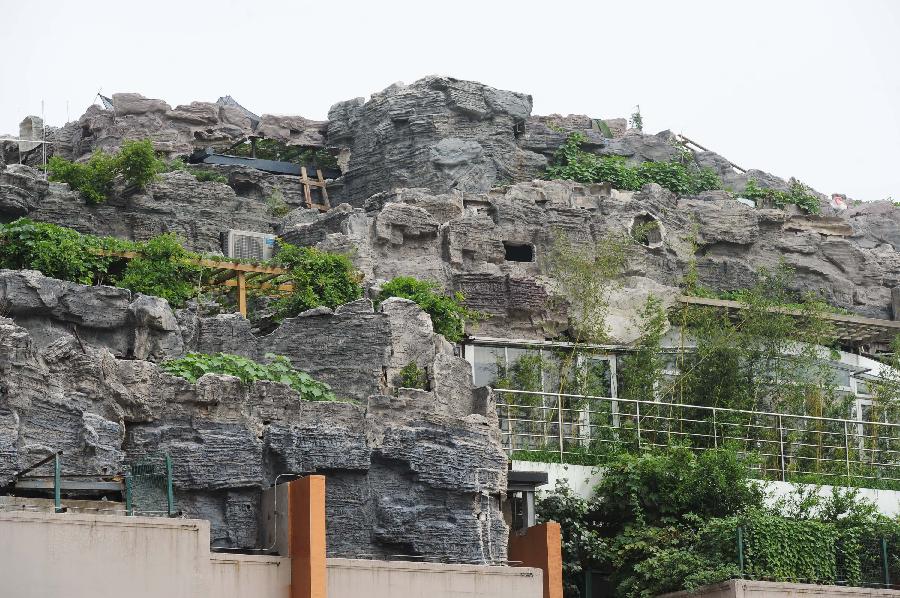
(518,128)
(518,252)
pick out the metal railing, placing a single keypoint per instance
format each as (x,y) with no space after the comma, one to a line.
(573,428)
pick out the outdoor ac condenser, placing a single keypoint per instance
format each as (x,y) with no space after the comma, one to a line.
(248,245)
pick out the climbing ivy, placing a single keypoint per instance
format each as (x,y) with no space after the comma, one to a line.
(798,194)
(572,162)
(279,369)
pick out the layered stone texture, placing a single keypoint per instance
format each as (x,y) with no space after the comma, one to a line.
(416,472)
(437,133)
(461,240)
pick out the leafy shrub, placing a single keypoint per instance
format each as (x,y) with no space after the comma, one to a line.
(162,269)
(448,314)
(798,195)
(319,278)
(194,365)
(573,163)
(206,176)
(136,162)
(412,376)
(56,251)
(92,179)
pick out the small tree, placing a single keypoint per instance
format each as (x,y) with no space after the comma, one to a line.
(320,278)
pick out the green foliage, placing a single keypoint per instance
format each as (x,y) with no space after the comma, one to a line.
(194,365)
(798,194)
(637,121)
(573,163)
(207,176)
(668,521)
(56,251)
(448,313)
(276,204)
(642,369)
(136,163)
(319,278)
(585,276)
(59,252)
(92,179)
(162,269)
(412,376)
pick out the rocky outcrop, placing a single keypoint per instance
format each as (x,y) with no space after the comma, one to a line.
(179,130)
(463,241)
(128,325)
(420,472)
(438,133)
(176,203)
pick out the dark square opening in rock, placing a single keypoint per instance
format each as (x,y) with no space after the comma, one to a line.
(518,252)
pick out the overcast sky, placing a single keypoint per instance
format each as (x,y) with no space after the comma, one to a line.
(798,88)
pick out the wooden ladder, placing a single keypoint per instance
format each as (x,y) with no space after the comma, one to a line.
(319,183)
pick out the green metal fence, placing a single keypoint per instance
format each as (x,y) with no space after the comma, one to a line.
(148,486)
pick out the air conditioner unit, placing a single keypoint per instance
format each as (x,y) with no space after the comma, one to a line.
(248,245)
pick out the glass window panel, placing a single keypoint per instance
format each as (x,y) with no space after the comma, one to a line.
(486,358)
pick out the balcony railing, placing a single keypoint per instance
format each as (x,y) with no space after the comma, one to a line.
(572,428)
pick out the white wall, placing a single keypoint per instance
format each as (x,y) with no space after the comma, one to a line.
(582,479)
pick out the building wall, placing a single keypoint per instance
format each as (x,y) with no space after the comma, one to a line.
(582,479)
(351,578)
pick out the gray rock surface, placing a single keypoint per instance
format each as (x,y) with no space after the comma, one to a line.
(437,133)
(128,325)
(457,239)
(417,473)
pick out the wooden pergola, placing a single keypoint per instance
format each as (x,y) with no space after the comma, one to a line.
(231,274)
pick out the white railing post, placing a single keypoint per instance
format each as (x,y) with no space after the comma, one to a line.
(847,449)
(637,419)
(715,436)
(560,418)
(781,448)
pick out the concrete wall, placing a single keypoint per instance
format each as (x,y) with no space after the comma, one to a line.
(102,556)
(98,556)
(351,578)
(742,588)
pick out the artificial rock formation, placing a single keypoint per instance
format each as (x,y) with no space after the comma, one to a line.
(415,472)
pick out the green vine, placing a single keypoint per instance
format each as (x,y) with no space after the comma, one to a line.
(571,162)
(279,369)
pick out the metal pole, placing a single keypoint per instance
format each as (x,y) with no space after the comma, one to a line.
(715,436)
(740,549)
(588,583)
(885,564)
(170,495)
(847,450)
(637,407)
(781,448)
(57,483)
(560,422)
